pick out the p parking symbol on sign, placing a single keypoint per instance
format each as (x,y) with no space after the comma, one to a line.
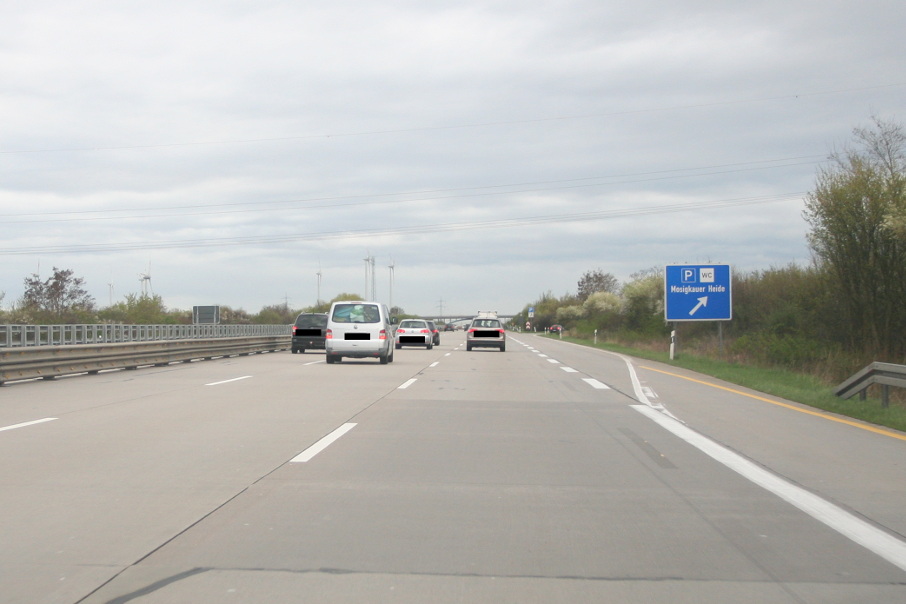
(688,275)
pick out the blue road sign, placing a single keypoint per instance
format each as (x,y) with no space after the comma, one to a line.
(698,293)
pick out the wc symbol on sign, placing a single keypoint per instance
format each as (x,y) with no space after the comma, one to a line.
(697,275)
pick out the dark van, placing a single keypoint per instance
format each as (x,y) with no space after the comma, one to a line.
(309,331)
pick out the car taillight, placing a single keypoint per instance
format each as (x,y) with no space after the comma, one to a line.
(425,331)
(471,331)
(400,331)
(329,335)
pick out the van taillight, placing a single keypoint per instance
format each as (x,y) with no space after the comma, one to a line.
(329,335)
(383,335)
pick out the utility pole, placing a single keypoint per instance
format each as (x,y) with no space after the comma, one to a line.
(392,267)
(369,277)
(318,301)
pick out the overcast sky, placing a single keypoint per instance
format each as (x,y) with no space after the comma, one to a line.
(491,151)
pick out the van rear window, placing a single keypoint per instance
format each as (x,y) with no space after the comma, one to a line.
(311,321)
(356,313)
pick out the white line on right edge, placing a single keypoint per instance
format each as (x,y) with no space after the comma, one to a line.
(638,389)
(870,537)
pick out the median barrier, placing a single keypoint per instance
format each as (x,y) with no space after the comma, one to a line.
(50,361)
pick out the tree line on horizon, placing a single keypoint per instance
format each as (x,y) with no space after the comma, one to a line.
(843,310)
(62,298)
(847,308)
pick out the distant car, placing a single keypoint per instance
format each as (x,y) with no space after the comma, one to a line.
(486,333)
(309,332)
(436,339)
(449,327)
(414,332)
(556,328)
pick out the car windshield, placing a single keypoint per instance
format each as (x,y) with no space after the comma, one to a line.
(356,313)
(410,324)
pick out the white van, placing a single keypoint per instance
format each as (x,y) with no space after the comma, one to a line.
(360,330)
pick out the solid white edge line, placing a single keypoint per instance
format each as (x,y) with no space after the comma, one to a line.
(407,383)
(245,377)
(322,444)
(596,384)
(638,389)
(25,424)
(852,527)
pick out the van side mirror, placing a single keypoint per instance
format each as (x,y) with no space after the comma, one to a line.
(394,320)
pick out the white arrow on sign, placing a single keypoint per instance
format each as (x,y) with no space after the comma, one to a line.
(703,301)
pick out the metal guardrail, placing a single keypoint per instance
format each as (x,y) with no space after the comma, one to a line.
(41,360)
(884,374)
(12,336)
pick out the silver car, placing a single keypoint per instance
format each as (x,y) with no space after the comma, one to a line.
(414,332)
(486,333)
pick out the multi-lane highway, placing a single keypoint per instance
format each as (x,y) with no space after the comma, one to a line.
(548,473)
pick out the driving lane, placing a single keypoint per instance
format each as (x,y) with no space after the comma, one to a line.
(135,457)
(859,465)
(525,476)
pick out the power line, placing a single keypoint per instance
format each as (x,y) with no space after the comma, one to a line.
(426,195)
(417,229)
(488,124)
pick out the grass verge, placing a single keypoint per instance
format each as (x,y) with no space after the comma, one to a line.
(804,389)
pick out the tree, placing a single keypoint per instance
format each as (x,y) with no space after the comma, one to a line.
(643,302)
(852,212)
(142,310)
(278,314)
(597,281)
(61,298)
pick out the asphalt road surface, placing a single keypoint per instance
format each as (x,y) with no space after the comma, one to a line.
(546,473)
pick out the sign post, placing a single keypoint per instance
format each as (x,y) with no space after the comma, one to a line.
(697,293)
